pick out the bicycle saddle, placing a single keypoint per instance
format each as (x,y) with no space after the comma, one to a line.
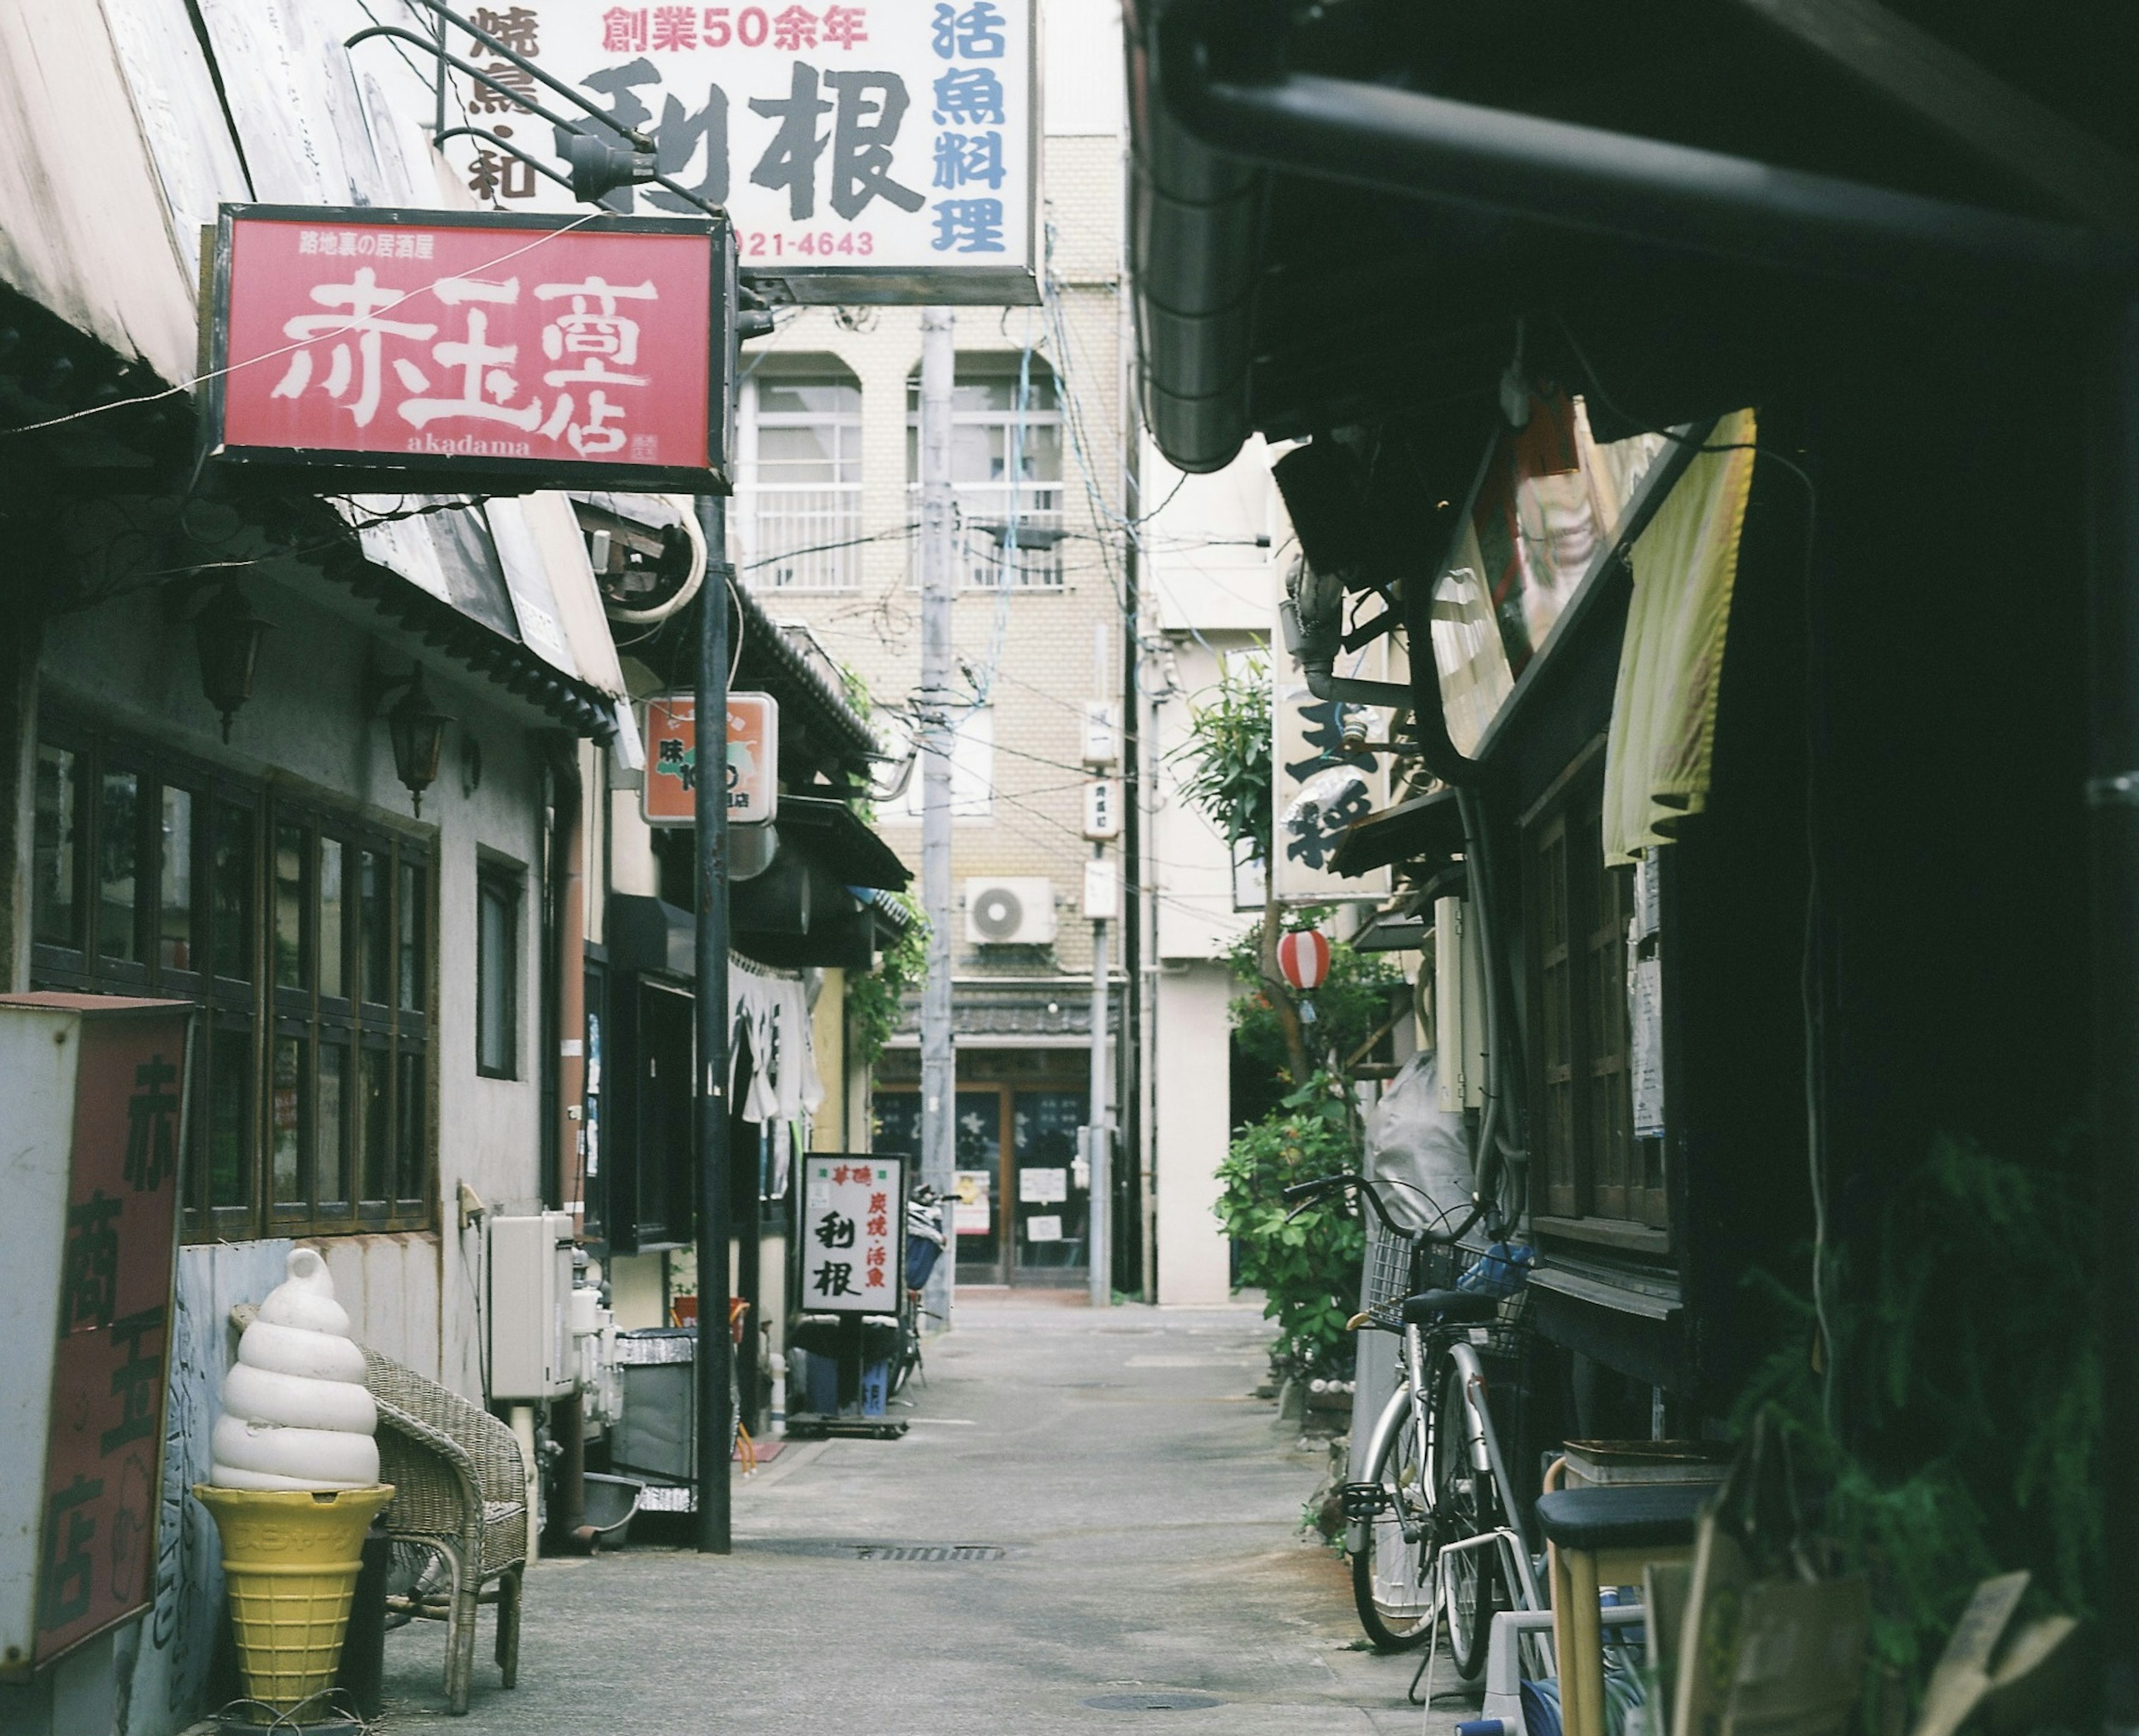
(1449,1306)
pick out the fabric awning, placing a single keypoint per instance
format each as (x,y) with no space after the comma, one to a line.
(1658,756)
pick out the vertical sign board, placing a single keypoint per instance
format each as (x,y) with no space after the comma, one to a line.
(668,795)
(853,1220)
(96,1093)
(1318,788)
(882,151)
(454,349)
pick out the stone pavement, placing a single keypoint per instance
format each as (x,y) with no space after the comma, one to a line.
(1148,1508)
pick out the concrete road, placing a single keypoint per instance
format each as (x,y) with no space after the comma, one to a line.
(1147,1509)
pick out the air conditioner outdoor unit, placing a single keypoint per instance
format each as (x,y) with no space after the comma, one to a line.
(1010,912)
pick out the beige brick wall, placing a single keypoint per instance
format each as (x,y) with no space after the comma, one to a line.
(1044,670)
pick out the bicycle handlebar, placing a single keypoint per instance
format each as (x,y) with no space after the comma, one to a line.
(1301,1194)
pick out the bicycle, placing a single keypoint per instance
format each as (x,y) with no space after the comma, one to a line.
(1438,1534)
(925,1237)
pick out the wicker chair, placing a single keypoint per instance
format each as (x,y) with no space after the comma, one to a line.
(461,1488)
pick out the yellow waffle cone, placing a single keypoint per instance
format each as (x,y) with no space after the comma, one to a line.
(291,1559)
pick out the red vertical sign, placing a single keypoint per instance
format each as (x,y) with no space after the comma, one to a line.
(104,1454)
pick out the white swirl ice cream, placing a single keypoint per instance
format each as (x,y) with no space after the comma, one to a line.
(297,1414)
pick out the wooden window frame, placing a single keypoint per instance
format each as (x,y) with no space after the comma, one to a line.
(507,880)
(1594,1180)
(226,1174)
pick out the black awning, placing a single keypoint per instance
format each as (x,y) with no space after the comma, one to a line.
(1424,827)
(836,839)
(1393,933)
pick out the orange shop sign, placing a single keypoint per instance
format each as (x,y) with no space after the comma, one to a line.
(669,794)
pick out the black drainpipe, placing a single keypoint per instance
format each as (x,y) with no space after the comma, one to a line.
(2112,799)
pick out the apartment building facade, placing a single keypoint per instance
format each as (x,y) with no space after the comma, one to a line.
(825,533)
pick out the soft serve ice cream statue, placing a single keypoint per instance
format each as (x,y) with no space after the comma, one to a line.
(297,1415)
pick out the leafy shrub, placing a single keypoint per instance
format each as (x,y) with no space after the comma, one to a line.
(1308,1267)
(874,998)
(1965,1438)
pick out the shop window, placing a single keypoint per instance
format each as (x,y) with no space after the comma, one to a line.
(1006,434)
(799,506)
(1589,1168)
(497,973)
(301,934)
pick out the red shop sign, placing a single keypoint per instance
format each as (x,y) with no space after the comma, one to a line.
(449,349)
(96,1092)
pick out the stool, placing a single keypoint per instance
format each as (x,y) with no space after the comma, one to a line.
(1605,1535)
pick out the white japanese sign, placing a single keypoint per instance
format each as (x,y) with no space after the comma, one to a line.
(1319,787)
(881,151)
(852,1212)
(1103,809)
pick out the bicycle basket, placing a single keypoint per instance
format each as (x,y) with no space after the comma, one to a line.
(1390,1259)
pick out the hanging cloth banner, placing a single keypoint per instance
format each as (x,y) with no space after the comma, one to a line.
(1657,758)
(769,1013)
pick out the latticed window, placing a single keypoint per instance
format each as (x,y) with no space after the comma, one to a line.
(302,935)
(801,514)
(1006,434)
(1588,1163)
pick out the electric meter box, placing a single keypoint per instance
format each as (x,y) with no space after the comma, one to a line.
(532,1356)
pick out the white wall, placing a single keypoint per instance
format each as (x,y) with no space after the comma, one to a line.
(1191,1132)
(1204,568)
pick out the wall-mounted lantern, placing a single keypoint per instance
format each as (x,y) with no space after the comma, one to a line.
(418,729)
(228,635)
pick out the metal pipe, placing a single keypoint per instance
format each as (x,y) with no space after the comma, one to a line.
(1099,1140)
(566,1067)
(2112,812)
(715,1361)
(1232,96)
(504,144)
(639,139)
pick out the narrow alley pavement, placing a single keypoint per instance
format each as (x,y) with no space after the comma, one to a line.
(1148,1507)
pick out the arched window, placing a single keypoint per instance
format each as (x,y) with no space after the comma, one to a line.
(1005,467)
(799,501)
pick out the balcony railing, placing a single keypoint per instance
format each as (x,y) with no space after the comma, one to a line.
(1007,535)
(802,539)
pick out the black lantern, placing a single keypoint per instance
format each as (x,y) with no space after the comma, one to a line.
(418,729)
(228,635)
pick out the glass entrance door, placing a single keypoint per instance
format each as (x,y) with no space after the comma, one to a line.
(1022,1211)
(1053,1206)
(976,1212)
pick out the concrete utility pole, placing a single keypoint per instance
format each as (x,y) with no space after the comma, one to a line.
(715,1409)
(1099,1133)
(939,1100)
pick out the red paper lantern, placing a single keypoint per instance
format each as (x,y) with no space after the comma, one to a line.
(1304,958)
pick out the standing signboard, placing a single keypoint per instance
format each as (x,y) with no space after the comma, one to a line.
(853,1215)
(1319,787)
(668,795)
(885,151)
(96,1091)
(458,350)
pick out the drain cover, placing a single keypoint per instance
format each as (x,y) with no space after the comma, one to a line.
(840,1549)
(1159,1702)
(929,1551)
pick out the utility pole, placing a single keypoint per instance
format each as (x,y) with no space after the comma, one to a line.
(938,586)
(716,1349)
(1099,1133)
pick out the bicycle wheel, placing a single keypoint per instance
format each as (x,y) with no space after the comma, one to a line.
(1464,1506)
(1388,1584)
(909,1351)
